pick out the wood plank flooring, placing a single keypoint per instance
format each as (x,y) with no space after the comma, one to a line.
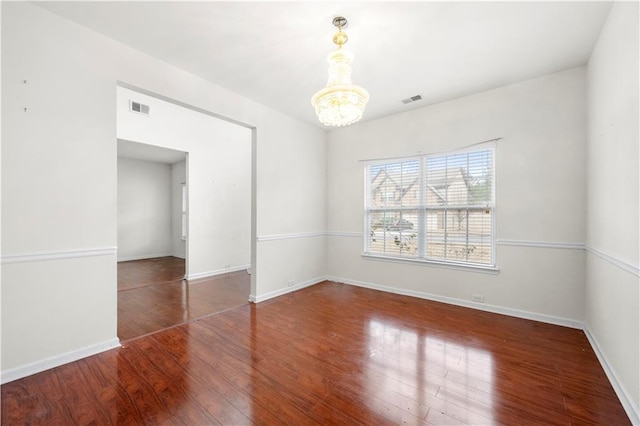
(145,272)
(331,354)
(152,295)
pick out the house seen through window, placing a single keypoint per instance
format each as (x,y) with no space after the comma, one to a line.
(432,208)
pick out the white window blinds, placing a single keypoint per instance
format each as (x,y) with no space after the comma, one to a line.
(435,207)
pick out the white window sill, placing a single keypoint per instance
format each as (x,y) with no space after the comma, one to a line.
(450,265)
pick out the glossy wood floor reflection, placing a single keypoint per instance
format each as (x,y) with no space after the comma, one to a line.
(153,295)
(331,354)
(144,272)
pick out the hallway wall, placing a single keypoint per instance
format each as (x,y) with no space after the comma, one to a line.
(144,209)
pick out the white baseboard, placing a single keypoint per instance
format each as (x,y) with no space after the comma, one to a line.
(550,319)
(143,256)
(210,274)
(55,361)
(627,402)
(285,290)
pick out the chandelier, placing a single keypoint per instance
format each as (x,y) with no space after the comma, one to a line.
(340,103)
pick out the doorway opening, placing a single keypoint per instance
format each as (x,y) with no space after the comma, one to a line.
(206,266)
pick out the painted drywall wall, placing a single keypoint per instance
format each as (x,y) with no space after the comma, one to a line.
(58,194)
(613,283)
(540,195)
(50,323)
(219,176)
(67,139)
(178,179)
(144,209)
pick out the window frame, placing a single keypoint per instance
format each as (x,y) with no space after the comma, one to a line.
(184,213)
(422,209)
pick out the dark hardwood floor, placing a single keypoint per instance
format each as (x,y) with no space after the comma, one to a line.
(145,272)
(152,295)
(331,354)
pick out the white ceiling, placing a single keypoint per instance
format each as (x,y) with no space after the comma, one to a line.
(275,52)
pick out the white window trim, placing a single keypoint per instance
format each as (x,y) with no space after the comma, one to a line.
(421,258)
(184,216)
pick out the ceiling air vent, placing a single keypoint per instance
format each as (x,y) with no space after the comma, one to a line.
(412,99)
(138,107)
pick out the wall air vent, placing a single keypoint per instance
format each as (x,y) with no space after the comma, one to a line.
(412,99)
(138,107)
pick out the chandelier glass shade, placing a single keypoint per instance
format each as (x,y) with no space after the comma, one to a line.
(341,102)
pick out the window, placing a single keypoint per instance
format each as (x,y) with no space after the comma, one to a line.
(432,208)
(184,211)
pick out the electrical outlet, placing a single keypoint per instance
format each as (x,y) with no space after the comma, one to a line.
(291,282)
(477,298)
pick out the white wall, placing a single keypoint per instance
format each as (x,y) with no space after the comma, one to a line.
(612,291)
(67,139)
(179,177)
(540,196)
(144,209)
(219,178)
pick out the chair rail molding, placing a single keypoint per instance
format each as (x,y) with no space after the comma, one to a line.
(614,260)
(58,255)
